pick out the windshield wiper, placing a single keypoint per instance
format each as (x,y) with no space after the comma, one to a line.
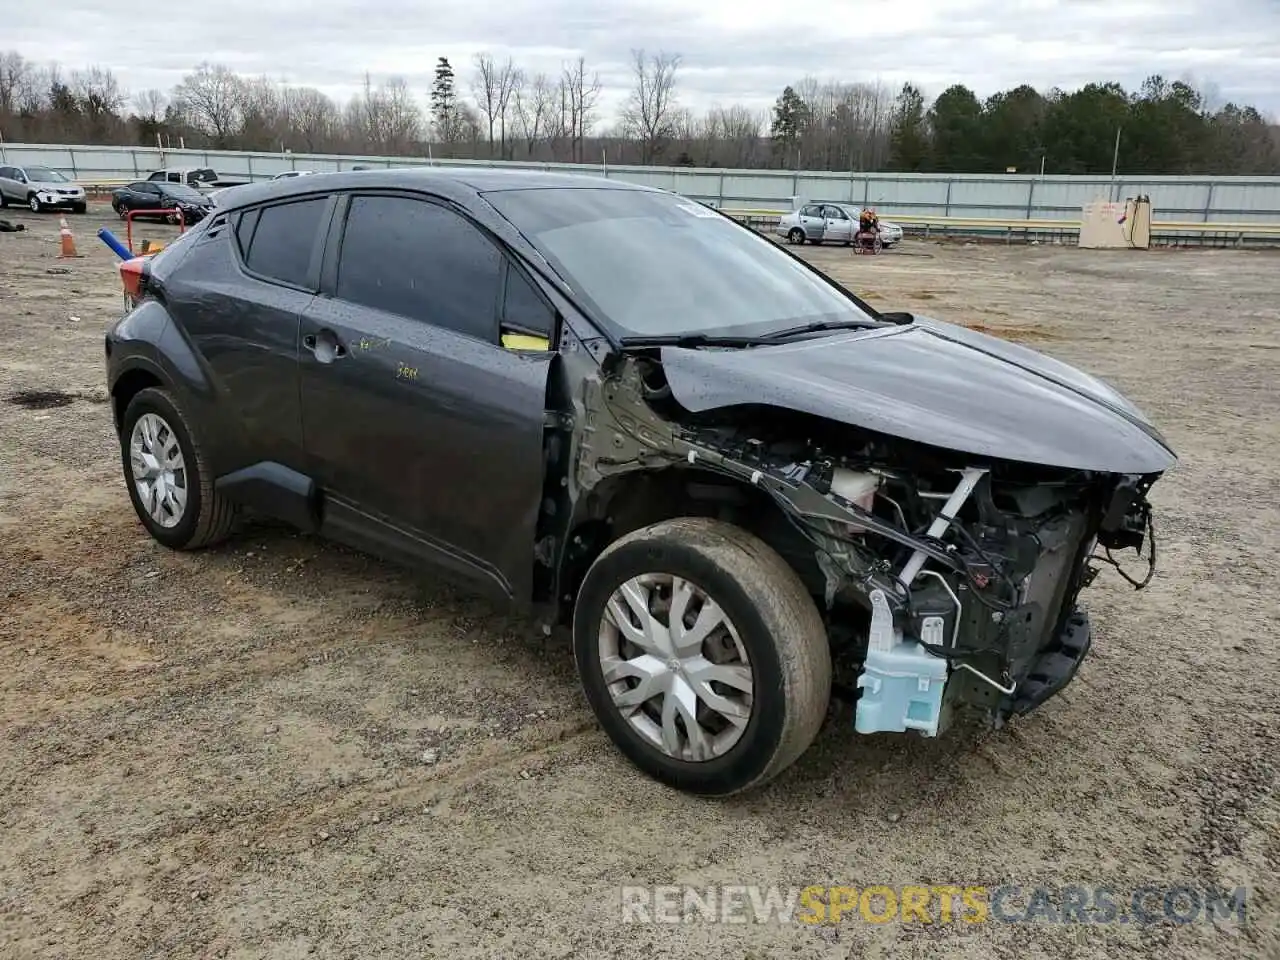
(818,326)
(690,340)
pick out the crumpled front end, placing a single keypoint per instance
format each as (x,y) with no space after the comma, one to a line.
(949,580)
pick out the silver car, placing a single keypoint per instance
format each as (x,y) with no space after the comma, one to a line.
(40,188)
(830,223)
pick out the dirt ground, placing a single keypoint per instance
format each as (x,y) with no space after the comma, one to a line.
(280,748)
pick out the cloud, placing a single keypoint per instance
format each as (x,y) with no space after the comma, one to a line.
(734,51)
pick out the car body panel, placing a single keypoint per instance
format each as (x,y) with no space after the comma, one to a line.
(935,384)
(432,433)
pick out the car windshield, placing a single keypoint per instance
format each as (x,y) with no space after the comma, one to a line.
(180,192)
(45,175)
(654,264)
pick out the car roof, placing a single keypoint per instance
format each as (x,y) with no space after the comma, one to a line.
(454,183)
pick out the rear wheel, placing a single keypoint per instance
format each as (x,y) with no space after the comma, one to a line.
(169,479)
(702,655)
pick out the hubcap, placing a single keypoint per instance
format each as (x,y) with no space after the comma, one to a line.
(34,204)
(675,667)
(159,471)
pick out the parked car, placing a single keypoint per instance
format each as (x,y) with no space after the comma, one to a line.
(147,195)
(204,179)
(40,188)
(728,475)
(830,223)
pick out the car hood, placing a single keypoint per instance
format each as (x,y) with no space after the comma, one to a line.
(934,383)
(53,185)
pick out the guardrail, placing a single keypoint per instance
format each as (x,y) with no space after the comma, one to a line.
(1023,228)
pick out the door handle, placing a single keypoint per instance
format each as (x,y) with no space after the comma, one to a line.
(325,345)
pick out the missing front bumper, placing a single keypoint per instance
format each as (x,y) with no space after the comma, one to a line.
(1054,668)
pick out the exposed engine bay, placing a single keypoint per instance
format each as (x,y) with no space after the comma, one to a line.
(946,580)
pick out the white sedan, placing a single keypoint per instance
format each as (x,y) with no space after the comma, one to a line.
(830,223)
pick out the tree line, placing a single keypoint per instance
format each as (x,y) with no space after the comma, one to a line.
(497,110)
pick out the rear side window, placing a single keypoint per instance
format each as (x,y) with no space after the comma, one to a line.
(421,261)
(279,247)
(244,230)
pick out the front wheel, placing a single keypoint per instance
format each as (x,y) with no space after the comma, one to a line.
(702,655)
(796,236)
(34,203)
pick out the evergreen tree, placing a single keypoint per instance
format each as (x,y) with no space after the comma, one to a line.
(909,133)
(790,117)
(444,102)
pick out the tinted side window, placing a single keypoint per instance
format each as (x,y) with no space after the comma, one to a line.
(421,261)
(284,238)
(523,308)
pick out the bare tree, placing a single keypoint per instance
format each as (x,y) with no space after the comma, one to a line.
(401,126)
(150,104)
(312,117)
(648,113)
(579,96)
(385,117)
(492,85)
(16,78)
(532,110)
(98,93)
(262,121)
(510,80)
(209,99)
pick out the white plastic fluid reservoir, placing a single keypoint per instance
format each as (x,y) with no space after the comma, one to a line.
(901,682)
(855,486)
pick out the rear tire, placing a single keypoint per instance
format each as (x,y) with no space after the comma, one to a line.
(768,625)
(206,517)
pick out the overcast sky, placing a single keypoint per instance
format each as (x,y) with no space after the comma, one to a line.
(741,51)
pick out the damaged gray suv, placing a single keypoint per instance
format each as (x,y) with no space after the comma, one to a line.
(741,486)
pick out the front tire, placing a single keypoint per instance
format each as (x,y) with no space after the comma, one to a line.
(796,235)
(33,202)
(167,475)
(733,687)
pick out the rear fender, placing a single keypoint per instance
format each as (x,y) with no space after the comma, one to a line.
(146,348)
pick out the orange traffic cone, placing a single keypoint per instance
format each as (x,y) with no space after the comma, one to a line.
(68,241)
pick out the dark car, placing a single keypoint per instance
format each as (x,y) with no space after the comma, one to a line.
(740,485)
(145,195)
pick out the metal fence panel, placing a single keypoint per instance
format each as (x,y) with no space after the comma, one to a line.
(1193,199)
